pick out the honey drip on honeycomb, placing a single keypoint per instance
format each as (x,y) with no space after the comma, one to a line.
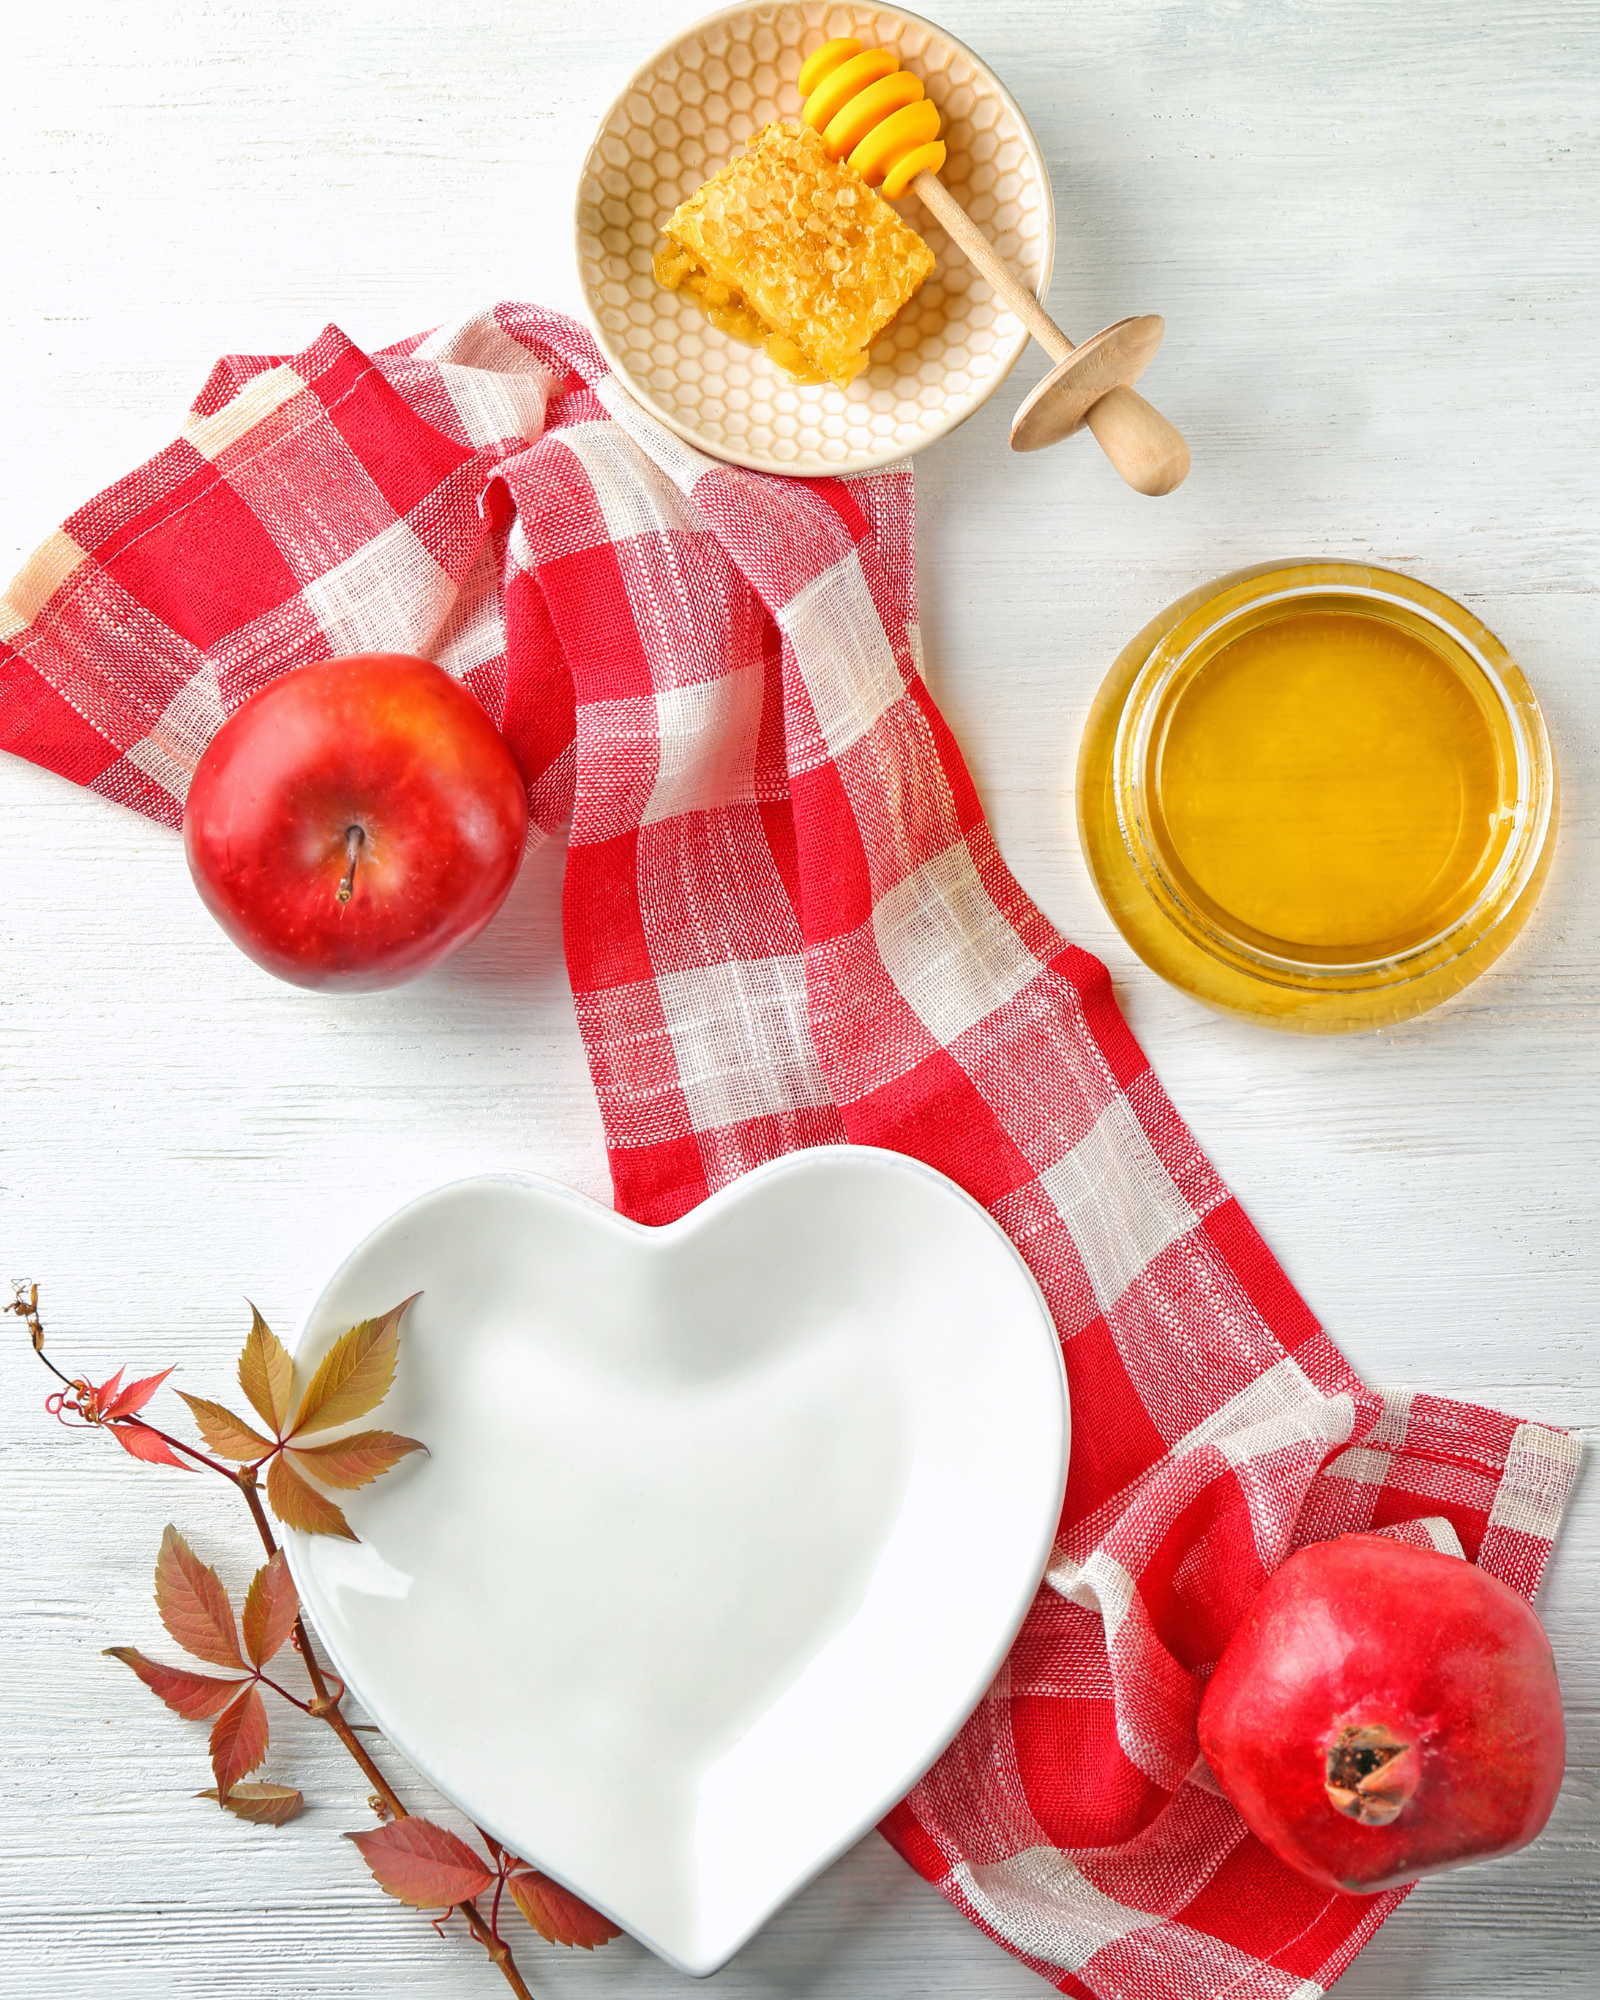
(727,307)
(788,247)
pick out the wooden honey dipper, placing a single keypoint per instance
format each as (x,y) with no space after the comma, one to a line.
(869,110)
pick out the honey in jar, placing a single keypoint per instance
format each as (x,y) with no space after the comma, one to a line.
(1321,796)
(1328,782)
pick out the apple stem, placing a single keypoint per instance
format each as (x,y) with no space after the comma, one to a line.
(354,841)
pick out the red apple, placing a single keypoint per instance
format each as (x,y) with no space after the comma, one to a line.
(355,822)
(1384,1712)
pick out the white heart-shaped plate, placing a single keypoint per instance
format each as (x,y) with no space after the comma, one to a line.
(725,1529)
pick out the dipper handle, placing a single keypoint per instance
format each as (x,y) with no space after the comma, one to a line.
(1148,451)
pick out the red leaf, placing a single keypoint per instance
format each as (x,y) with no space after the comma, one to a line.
(357,1460)
(194,1606)
(423,1864)
(269,1609)
(238,1741)
(224,1433)
(139,1441)
(263,1805)
(193,1603)
(555,1913)
(193,1696)
(137,1394)
(106,1390)
(298,1505)
(266,1374)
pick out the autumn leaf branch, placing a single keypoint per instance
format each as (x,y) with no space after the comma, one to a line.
(422,1864)
(354,1377)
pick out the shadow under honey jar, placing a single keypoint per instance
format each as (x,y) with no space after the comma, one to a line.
(1320,796)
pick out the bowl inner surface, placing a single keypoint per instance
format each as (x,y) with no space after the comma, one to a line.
(743,1509)
(688,112)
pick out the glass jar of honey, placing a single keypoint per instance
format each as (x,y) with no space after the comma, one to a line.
(1319,796)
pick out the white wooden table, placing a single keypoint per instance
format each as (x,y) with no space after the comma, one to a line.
(1371,229)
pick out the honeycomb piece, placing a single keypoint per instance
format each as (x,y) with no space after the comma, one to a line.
(817,255)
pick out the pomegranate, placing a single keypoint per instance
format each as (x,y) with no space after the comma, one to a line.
(1383,1712)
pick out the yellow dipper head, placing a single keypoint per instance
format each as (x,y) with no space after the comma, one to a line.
(867,108)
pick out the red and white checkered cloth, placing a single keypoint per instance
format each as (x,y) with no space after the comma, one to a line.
(787,925)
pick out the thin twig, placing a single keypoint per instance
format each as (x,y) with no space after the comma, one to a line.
(327,1708)
(324,1706)
(293,1700)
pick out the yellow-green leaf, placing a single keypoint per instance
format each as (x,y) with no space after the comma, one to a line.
(298,1505)
(266,1374)
(261,1804)
(356,1460)
(224,1433)
(355,1373)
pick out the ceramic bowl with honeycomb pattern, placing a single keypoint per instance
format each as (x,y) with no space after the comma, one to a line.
(688,111)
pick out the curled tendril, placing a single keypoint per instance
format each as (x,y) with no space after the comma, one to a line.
(76,1406)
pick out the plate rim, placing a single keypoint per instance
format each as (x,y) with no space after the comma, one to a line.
(652,1237)
(861,462)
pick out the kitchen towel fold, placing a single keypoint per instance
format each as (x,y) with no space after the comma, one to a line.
(787,925)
